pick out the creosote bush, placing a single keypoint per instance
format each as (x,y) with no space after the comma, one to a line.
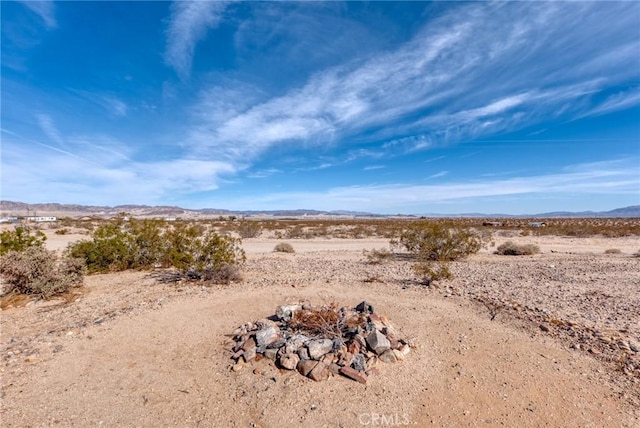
(434,244)
(612,251)
(437,241)
(38,271)
(20,239)
(197,252)
(283,247)
(510,248)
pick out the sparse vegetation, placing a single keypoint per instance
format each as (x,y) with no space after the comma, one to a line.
(376,257)
(63,231)
(435,244)
(328,321)
(38,271)
(249,228)
(510,248)
(612,251)
(20,239)
(283,247)
(197,252)
(437,241)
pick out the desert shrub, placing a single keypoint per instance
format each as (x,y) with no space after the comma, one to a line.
(284,247)
(248,229)
(63,231)
(430,240)
(430,271)
(510,248)
(376,257)
(20,239)
(612,251)
(145,243)
(435,244)
(108,250)
(38,271)
(196,252)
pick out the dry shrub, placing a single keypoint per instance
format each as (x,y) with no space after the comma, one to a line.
(38,271)
(224,274)
(326,321)
(431,271)
(510,248)
(376,257)
(14,300)
(249,229)
(283,247)
(612,251)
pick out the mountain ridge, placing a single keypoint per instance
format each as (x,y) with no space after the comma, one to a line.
(23,209)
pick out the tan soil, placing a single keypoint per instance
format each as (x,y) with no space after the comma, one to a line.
(132,351)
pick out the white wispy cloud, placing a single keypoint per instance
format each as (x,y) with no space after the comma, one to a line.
(48,127)
(610,178)
(618,101)
(189,23)
(104,178)
(45,9)
(434,89)
(116,106)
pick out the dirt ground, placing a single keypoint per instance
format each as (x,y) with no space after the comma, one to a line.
(134,351)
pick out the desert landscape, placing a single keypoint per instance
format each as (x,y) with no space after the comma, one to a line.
(548,339)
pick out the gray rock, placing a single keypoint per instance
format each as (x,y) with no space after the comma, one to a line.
(378,342)
(319,347)
(359,362)
(267,335)
(365,308)
(303,353)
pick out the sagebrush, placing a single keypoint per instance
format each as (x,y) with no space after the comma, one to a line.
(283,247)
(510,248)
(40,272)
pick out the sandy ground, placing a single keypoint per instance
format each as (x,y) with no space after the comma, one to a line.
(132,351)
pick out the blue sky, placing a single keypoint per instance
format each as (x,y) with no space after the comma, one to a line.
(386,107)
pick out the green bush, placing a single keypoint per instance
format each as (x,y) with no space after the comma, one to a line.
(437,241)
(434,244)
(284,247)
(196,252)
(20,239)
(510,248)
(38,271)
(204,255)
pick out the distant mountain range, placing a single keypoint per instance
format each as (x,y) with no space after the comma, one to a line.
(10,208)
